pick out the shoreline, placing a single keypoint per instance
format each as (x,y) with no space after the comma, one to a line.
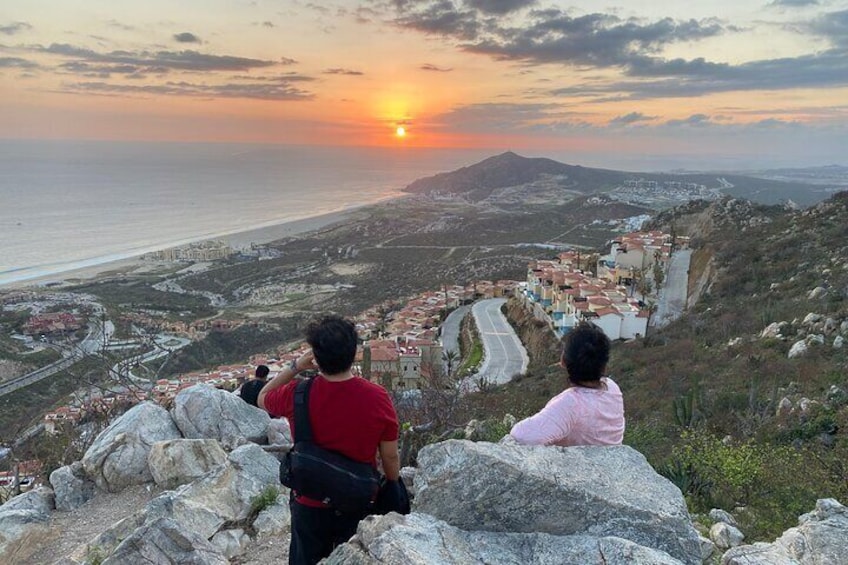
(261,234)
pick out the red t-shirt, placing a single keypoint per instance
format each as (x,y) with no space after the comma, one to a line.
(350,417)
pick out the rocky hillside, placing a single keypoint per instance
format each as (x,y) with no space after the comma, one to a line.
(743,402)
(474,502)
(489,177)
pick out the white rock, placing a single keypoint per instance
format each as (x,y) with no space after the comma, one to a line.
(798,349)
(726,536)
(118,457)
(734,342)
(719,515)
(279,432)
(203,411)
(274,520)
(815,339)
(179,461)
(821,537)
(205,505)
(599,491)
(71,486)
(419,539)
(165,541)
(773,330)
(838,342)
(783,409)
(811,318)
(843,327)
(21,514)
(816,293)
(231,543)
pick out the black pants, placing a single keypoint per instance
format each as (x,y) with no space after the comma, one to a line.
(315,532)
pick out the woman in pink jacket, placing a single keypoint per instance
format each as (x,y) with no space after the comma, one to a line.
(591,410)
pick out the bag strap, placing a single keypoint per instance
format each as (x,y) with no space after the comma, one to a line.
(302,427)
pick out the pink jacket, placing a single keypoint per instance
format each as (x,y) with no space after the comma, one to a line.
(576,416)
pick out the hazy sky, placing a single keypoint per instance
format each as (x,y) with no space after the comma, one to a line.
(765,79)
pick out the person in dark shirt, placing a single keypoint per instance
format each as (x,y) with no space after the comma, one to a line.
(249,391)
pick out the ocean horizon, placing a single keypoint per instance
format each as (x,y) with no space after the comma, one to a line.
(66,205)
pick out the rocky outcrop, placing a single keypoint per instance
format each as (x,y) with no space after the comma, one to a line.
(419,539)
(118,457)
(203,411)
(179,461)
(595,491)
(23,512)
(821,537)
(279,432)
(207,504)
(165,541)
(71,486)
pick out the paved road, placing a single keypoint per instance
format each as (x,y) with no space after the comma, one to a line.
(673,294)
(503,354)
(92,342)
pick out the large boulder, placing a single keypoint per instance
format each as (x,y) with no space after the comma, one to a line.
(279,432)
(71,486)
(821,537)
(595,491)
(203,411)
(118,457)
(419,539)
(23,513)
(165,541)
(726,536)
(202,507)
(179,461)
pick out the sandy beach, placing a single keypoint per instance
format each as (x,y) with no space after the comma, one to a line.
(264,234)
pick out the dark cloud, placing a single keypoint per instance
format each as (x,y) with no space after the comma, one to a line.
(429,67)
(438,17)
(679,78)
(600,40)
(16,63)
(287,61)
(120,25)
(166,60)
(279,91)
(499,6)
(267,23)
(631,118)
(186,37)
(833,26)
(14,27)
(695,120)
(340,71)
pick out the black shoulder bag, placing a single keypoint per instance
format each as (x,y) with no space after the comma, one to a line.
(321,474)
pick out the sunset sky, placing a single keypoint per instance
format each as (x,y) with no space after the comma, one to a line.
(718,78)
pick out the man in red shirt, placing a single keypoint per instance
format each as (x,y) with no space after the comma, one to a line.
(349,415)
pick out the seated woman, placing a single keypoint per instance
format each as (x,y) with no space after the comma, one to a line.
(591,410)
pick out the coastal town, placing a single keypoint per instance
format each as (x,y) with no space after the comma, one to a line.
(402,346)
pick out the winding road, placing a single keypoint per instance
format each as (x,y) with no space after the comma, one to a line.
(503,354)
(672,300)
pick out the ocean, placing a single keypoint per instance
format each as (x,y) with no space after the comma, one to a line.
(71,204)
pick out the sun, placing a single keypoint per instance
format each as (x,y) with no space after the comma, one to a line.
(400,131)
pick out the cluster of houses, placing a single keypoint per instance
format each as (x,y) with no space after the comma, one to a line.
(53,323)
(562,294)
(23,476)
(212,250)
(401,347)
(157,322)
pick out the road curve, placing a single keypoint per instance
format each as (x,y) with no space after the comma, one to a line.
(503,354)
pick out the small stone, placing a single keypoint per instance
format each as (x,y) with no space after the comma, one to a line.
(719,515)
(798,349)
(838,342)
(726,536)
(816,293)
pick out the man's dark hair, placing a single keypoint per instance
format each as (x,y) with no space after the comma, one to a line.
(262,371)
(585,352)
(333,342)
